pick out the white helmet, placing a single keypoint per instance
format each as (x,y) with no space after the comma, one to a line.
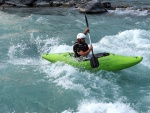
(81,35)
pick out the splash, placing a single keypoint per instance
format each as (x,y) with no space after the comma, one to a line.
(19,48)
(84,82)
(130,42)
(99,107)
(65,76)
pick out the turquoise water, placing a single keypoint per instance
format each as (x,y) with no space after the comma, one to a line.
(30,84)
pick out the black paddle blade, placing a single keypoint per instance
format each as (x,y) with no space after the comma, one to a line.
(94,62)
(87,24)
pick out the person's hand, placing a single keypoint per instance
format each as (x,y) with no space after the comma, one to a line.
(91,47)
(87,30)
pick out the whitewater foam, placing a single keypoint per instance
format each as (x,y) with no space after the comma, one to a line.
(65,88)
(100,107)
(128,11)
(130,42)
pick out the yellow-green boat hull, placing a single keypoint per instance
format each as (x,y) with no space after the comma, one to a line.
(107,61)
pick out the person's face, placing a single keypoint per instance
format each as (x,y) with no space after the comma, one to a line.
(82,40)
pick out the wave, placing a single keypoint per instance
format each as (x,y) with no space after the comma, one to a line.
(130,42)
(99,107)
(129,11)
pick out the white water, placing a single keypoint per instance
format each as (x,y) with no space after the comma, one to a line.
(60,87)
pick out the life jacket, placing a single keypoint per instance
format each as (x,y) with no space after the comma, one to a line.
(78,47)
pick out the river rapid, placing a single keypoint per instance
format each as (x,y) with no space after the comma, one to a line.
(30,84)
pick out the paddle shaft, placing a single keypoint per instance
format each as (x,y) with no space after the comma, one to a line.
(90,42)
(87,24)
(93,61)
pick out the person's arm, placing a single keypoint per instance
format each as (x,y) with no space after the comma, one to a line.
(86,52)
(86,31)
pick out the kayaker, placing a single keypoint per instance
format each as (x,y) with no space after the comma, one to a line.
(80,47)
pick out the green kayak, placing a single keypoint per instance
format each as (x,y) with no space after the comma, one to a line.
(107,61)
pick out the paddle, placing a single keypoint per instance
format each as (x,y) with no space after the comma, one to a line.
(93,61)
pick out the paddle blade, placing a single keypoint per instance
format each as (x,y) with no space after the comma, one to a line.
(94,62)
(87,24)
